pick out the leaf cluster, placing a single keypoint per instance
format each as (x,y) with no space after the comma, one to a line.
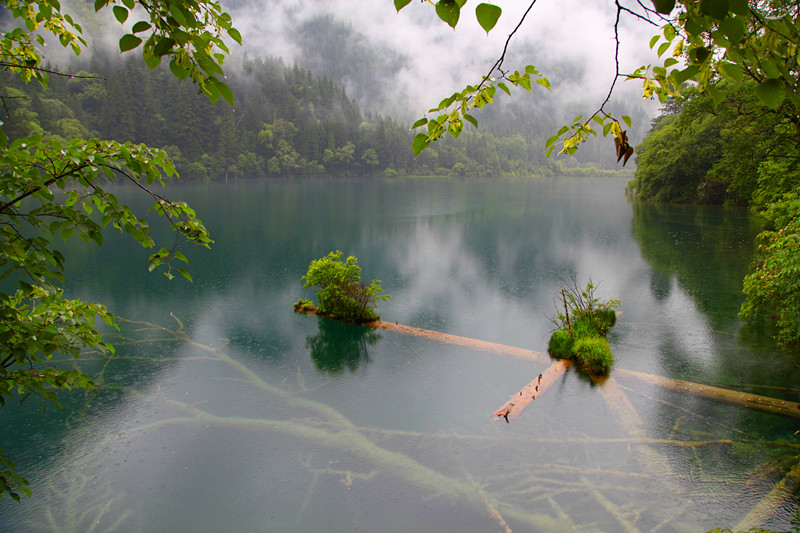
(735,40)
(773,288)
(54,189)
(700,41)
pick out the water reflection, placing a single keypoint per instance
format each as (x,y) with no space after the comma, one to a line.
(239,428)
(708,251)
(338,346)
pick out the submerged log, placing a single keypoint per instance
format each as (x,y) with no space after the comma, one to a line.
(745,399)
(766,508)
(515,405)
(475,344)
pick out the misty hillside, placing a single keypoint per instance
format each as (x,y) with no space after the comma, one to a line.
(334,48)
(330,113)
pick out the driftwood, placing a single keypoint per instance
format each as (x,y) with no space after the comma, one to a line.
(514,406)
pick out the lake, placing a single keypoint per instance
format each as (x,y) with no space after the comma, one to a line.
(223,410)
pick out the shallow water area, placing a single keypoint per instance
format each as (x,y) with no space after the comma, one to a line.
(224,410)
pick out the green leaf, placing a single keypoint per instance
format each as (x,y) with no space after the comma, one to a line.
(128,42)
(699,54)
(717,95)
(681,76)
(504,87)
(715,8)
(731,71)
(544,82)
(223,89)
(472,120)
(627,120)
(400,4)
(177,70)
(420,122)
(733,28)
(448,11)
(487,15)
(120,13)
(163,46)
(185,274)
(235,35)
(419,143)
(140,26)
(740,7)
(664,6)
(771,93)
(654,40)
(99,4)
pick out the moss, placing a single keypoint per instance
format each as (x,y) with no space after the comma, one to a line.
(584,328)
(594,355)
(561,344)
(605,319)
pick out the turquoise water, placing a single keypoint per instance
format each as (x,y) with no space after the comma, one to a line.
(224,410)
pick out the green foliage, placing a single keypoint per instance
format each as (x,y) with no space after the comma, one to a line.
(711,152)
(582,328)
(560,344)
(54,188)
(593,354)
(701,41)
(738,151)
(340,292)
(583,309)
(773,288)
(303,304)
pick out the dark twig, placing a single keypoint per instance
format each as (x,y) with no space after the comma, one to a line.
(7,66)
(499,63)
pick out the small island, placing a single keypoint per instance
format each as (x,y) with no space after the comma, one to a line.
(340,292)
(582,328)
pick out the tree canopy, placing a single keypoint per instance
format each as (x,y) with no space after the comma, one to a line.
(55,188)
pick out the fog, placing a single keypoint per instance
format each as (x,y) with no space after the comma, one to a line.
(415,59)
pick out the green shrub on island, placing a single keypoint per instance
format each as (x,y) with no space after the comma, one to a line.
(340,292)
(561,344)
(582,328)
(303,304)
(594,355)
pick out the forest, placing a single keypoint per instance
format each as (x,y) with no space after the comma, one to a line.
(286,122)
(734,150)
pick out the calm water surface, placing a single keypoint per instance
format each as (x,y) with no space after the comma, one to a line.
(225,411)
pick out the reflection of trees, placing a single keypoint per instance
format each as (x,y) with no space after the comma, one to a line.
(339,345)
(708,250)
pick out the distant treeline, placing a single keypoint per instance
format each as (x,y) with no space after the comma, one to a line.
(286,122)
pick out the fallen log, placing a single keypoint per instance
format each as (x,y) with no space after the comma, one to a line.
(765,509)
(515,405)
(745,399)
(475,344)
